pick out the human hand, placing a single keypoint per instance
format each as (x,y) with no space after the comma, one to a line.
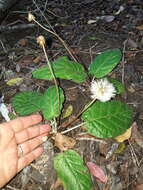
(19,144)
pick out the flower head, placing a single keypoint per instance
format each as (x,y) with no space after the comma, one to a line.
(102,90)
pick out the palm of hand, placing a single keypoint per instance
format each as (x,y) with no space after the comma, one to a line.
(15,133)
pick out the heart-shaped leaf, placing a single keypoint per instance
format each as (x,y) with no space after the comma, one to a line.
(117,84)
(72,172)
(27,102)
(63,68)
(108,119)
(104,63)
(50,102)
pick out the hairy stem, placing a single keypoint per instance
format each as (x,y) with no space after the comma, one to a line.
(54,77)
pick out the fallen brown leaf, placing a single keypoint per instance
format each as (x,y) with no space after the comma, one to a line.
(68,121)
(23,42)
(37,59)
(26,60)
(136,136)
(131,43)
(139,27)
(107,187)
(139,187)
(64,142)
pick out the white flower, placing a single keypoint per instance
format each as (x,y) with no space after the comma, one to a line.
(102,90)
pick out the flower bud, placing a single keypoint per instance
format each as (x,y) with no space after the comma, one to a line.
(30,17)
(41,40)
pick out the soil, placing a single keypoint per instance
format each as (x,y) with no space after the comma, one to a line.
(89,27)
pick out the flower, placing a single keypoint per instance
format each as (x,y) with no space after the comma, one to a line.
(102,90)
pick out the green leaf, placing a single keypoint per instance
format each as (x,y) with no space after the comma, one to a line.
(64,69)
(50,103)
(105,62)
(108,119)
(26,102)
(72,172)
(118,85)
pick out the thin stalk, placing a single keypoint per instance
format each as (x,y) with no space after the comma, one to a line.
(55,126)
(85,108)
(75,127)
(53,75)
(55,34)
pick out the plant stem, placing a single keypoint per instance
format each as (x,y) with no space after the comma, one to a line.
(85,108)
(53,75)
(75,127)
(55,34)
(54,126)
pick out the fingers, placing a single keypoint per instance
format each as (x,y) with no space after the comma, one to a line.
(28,158)
(24,122)
(6,135)
(31,132)
(30,145)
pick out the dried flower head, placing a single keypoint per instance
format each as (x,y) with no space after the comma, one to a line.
(102,90)
(41,40)
(30,17)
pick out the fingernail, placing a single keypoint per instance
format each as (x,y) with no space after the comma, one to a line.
(44,139)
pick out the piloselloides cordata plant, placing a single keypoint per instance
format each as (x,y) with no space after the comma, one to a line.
(103,117)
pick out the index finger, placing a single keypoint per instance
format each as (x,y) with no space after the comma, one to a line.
(24,122)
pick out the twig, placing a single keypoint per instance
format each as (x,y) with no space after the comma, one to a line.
(44,16)
(123,61)
(4,49)
(90,139)
(13,188)
(134,155)
(16,27)
(55,34)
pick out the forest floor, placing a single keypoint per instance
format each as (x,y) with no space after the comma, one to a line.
(89,27)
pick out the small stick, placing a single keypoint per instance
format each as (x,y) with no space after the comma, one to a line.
(13,188)
(123,62)
(16,27)
(55,34)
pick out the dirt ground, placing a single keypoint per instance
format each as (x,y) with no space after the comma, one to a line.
(88,27)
